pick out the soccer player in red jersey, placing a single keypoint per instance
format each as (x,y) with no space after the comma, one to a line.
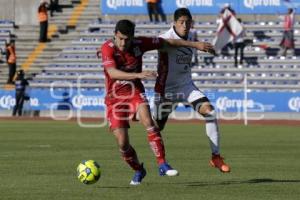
(125,94)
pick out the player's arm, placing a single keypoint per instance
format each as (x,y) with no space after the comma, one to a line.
(121,75)
(202,46)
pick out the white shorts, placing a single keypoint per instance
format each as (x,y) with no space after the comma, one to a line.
(186,94)
(163,107)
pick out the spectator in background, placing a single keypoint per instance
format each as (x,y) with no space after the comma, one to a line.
(239,45)
(225,50)
(1,54)
(11,59)
(154,8)
(227,6)
(287,41)
(21,84)
(43,19)
(53,7)
(161,11)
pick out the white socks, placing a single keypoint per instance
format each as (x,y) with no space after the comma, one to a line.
(212,132)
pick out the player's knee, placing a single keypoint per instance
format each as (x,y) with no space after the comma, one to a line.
(199,104)
(210,116)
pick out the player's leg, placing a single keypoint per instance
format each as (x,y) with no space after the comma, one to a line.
(17,104)
(242,53)
(21,103)
(236,48)
(150,12)
(117,115)
(155,140)
(204,107)
(161,112)
(129,155)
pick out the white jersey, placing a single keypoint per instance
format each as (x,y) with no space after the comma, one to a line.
(174,66)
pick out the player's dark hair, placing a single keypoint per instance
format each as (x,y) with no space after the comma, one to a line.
(182,12)
(126,27)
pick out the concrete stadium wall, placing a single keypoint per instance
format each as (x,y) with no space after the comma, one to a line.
(7,9)
(22,12)
(26,12)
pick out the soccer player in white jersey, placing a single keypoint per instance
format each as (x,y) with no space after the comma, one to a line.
(174,84)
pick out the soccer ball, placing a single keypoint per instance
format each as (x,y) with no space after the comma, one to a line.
(88,172)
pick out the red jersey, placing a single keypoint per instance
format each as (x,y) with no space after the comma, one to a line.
(129,61)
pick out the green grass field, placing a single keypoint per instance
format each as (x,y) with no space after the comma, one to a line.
(38,161)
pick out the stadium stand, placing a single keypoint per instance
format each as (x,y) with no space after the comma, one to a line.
(265,68)
(71,58)
(33,56)
(6,33)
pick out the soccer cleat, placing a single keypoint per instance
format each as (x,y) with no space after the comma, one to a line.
(138,176)
(218,162)
(166,169)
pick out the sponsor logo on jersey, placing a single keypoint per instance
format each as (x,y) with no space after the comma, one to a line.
(183,59)
(111,44)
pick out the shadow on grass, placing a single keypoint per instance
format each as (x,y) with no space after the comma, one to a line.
(251,181)
(115,187)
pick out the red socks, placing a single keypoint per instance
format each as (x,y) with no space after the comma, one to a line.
(131,158)
(156,144)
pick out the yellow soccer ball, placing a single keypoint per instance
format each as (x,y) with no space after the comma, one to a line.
(88,172)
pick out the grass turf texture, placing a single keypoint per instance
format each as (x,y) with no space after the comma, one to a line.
(38,161)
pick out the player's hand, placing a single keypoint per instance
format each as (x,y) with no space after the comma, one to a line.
(206,47)
(147,75)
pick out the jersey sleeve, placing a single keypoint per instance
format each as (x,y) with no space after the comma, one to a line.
(151,43)
(107,54)
(164,35)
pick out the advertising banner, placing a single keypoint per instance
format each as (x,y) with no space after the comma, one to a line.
(132,7)
(48,99)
